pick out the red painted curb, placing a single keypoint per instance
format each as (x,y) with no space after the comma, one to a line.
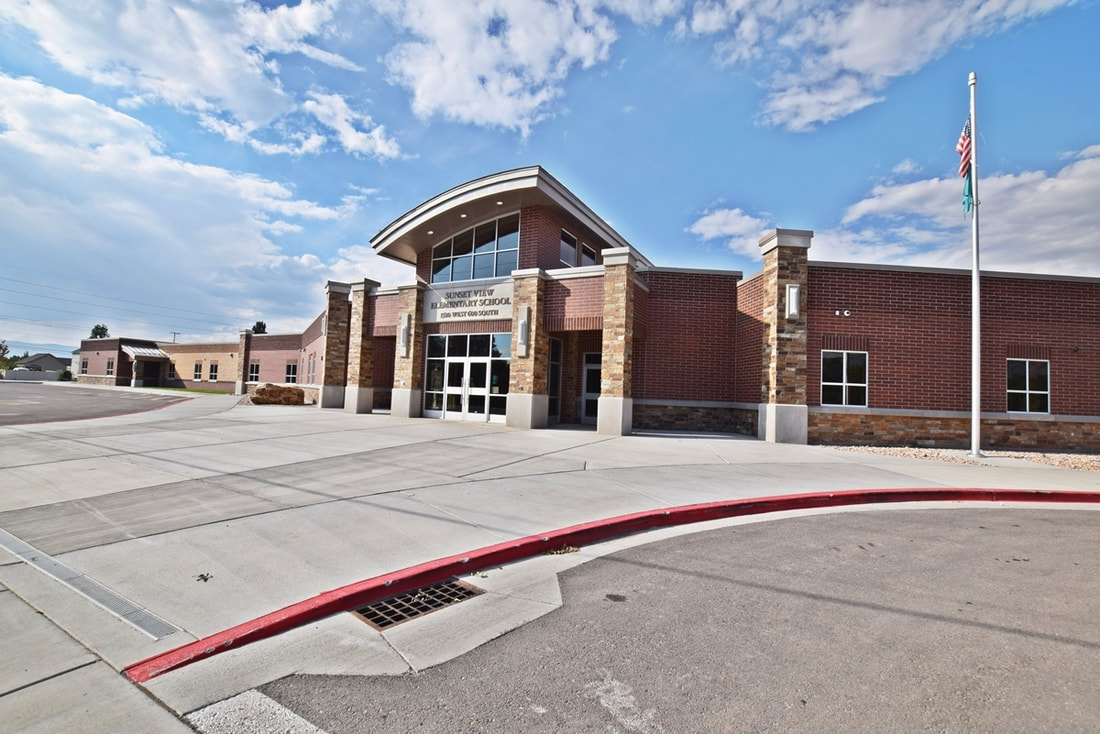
(373,589)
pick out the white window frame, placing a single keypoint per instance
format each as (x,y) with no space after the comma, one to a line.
(1027,392)
(83,366)
(110,368)
(171,370)
(253,371)
(212,372)
(291,373)
(198,372)
(846,385)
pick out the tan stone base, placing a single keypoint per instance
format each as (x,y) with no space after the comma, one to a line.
(1050,433)
(527,411)
(780,423)
(615,416)
(709,418)
(358,399)
(330,396)
(405,403)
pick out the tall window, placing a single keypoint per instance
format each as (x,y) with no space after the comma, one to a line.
(568,249)
(171,370)
(110,366)
(254,372)
(292,372)
(844,378)
(213,372)
(588,256)
(488,250)
(553,386)
(83,366)
(1028,386)
(198,371)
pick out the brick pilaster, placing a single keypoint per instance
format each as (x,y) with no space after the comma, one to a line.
(334,360)
(244,350)
(359,387)
(783,354)
(408,362)
(528,372)
(616,403)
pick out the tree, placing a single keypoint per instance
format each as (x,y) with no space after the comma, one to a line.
(259,328)
(99,331)
(6,362)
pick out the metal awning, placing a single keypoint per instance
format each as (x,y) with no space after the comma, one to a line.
(146,353)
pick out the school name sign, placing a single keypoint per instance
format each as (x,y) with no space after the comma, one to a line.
(485,302)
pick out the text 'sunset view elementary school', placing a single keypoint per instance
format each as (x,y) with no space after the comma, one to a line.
(530,310)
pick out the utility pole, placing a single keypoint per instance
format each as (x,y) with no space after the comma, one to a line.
(174,335)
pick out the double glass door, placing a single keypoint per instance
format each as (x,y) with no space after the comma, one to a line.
(467,376)
(467,389)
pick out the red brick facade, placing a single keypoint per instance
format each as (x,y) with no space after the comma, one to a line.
(698,349)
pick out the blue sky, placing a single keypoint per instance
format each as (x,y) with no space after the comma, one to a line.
(193,167)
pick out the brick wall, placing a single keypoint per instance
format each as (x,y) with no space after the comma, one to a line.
(273,352)
(749,386)
(915,326)
(720,419)
(689,325)
(574,304)
(185,356)
(384,314)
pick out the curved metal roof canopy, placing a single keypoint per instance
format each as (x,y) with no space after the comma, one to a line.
(479,200)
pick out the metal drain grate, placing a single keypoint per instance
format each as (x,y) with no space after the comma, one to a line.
(412,604)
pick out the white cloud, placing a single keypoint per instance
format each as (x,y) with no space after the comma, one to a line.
(906,167)
(216,60)
(91,187)
(356,132)
(1030,222)
(828,61)
(497,63)
(742,231)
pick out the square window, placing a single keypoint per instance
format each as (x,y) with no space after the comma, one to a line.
(844,378)
(1027,383)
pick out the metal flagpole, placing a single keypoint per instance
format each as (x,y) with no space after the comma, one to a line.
(975,297)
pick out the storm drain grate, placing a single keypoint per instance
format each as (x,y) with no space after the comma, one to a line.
(416,603)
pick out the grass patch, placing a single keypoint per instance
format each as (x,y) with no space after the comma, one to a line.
(208,391)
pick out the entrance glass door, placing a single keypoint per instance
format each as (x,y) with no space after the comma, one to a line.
(467,389)
(466,376)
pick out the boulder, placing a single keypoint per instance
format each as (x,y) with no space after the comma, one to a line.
(278,395)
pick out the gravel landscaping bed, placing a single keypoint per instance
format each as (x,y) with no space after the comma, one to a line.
(1064,460)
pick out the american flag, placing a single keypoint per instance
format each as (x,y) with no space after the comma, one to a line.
(963,149)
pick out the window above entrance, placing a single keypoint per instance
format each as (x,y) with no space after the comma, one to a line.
(489,250)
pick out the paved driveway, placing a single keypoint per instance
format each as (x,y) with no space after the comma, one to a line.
(23,403)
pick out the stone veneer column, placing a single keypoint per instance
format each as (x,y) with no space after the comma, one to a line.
(615,414)
(334,359)
(359,387)
(528,396)
(245,352)
(408,361)
(784,416)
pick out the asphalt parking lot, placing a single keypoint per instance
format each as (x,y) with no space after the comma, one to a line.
(23,403)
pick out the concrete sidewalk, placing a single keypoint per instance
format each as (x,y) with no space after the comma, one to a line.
(206,514)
